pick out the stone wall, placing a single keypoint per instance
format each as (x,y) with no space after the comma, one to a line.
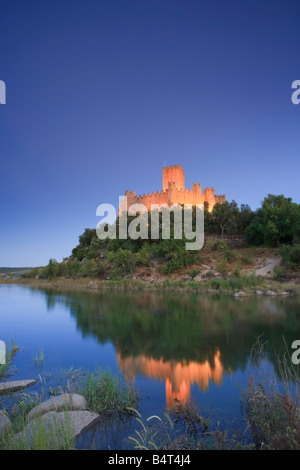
(174,192)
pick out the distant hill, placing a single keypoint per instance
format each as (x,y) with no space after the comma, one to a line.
(14,270)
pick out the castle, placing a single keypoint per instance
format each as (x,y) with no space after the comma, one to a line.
(174,192)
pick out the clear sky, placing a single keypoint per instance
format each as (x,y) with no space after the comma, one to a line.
(102,93)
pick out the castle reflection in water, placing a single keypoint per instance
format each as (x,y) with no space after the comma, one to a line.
(178,376)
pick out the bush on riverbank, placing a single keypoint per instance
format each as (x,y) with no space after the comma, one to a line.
(291,255)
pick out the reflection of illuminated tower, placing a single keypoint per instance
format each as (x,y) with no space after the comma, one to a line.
(183,394)
(178,376)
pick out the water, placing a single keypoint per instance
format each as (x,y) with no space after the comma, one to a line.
(172,346)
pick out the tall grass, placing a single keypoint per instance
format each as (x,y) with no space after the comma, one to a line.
(38,434)
(10,353)
(272,405)
(182,428)
(107,393)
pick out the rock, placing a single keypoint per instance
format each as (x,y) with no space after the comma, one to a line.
(268,268)
(203,274)
(69,401)
(285,293)
(240,294)
(5,423)
(14,386)
(53,429)
(271,292)
(205,267)
(259,292)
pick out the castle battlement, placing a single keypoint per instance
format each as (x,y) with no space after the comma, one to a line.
(173,166)
(174,192)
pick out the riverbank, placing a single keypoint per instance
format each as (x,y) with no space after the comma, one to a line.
(238,286)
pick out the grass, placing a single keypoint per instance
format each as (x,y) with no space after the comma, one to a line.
(225,286)
(272,406)
(106,393)
(272,412)
(182,428)
(9,355)
(39,435)
(39,358)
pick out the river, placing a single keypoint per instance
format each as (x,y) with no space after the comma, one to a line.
(170,346)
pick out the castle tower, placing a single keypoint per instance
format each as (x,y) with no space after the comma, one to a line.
(173,174)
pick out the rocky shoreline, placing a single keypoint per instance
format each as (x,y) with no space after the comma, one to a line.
(66,414)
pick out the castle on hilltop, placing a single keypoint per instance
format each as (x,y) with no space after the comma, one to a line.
(174,192)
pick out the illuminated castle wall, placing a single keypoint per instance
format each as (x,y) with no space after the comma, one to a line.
(174,192)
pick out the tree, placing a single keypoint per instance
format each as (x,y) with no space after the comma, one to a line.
(244,218)
(224,217)
(255,231)
(277,222)
(87,236)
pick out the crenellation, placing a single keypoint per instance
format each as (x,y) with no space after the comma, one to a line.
(174,192)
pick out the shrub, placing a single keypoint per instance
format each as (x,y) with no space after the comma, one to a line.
(193,272)
(278,273)
(73,267)
(222,267)
(122,262)
(51,269)
(291,255)
(143,256)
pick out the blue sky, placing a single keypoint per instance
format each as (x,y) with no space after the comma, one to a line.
(102,94)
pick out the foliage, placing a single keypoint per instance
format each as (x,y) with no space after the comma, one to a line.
(106,393)
(272,406)
(276,222)
(224,217)
(9,355)
(122,262)
(291,255)
(181,428)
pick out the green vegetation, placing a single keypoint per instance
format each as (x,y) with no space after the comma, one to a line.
(41,437)
(104,393)
(275,224)
(183,428)
(272,406)
(271,413)
(107,394)
(10,353)
(291,255)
